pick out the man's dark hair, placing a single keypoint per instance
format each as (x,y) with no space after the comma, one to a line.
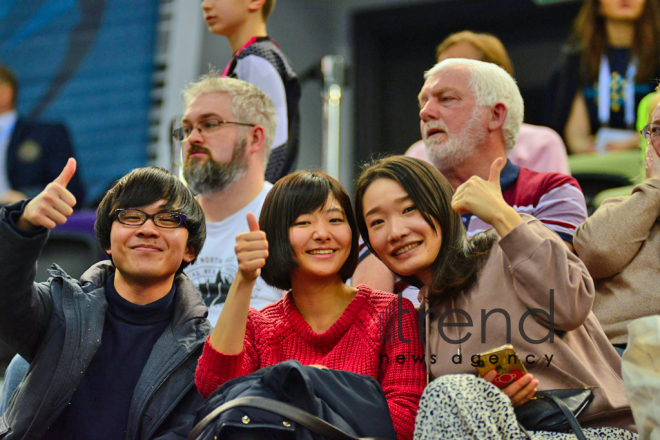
(7,77)
(299,193)
(143,187)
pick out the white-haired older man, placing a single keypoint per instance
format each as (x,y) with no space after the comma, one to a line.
(470,114)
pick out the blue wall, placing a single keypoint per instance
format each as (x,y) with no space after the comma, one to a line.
(87,63)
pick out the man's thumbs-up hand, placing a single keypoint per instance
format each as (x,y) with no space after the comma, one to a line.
(53,205)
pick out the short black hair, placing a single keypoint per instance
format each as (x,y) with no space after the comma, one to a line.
(142,187)
(299,193)
(8,77)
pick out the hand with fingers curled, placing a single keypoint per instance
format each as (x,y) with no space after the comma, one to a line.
(483,198)
(520,391)
(251,250)
(53,205)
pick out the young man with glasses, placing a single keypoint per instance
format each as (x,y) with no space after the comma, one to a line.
(112,355)
(226,133)
(619,245)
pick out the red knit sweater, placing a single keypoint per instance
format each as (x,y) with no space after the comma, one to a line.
(364,340)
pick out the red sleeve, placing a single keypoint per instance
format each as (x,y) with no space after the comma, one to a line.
(215,368)
(403,377)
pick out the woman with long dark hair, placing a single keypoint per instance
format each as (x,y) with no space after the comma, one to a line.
(515,284)
(608,66)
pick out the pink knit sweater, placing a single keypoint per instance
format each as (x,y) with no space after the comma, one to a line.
(364,340)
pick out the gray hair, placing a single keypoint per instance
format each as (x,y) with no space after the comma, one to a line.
(248,102)
(490,84)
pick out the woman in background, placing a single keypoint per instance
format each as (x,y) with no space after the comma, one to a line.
(604,72)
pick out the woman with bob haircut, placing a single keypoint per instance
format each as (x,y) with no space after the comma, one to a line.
(515,284)
(308,245)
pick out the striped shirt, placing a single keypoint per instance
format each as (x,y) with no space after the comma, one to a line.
(553,198)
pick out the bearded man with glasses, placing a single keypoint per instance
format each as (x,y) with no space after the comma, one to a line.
(112,355)
(225,136)
(619,245)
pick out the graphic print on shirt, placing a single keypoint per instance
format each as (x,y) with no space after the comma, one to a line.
(213,277)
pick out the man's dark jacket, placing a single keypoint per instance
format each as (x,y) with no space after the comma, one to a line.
(57,327)
(36,155)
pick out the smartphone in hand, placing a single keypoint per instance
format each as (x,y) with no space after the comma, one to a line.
(505,361)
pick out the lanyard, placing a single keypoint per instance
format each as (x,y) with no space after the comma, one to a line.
(604,93)
(226,71)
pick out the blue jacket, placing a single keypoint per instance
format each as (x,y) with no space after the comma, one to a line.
(57,327)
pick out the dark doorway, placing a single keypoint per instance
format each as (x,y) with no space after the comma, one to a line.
(394,47)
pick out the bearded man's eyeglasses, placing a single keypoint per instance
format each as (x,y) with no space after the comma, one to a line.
(205,127)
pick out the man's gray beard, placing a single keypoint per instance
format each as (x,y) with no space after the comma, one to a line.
(211,176)
(458,147)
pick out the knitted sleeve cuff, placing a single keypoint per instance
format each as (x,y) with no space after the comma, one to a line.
(215,368)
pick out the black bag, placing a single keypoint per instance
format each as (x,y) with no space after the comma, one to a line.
(292,401)
(555,410)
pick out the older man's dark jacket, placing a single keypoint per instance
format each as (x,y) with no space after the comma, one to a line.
(57,327)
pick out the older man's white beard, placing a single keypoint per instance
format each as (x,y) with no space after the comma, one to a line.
(457,148)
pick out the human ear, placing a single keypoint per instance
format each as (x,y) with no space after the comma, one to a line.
(189,255)
(255,5)
(499,113)
(256,138)
(6,96)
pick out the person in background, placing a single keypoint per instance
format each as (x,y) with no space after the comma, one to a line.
(618,243)
(111,355)
(226,134)
(259,60)
(609,64)
(538,148)
(32,154)
(308,246)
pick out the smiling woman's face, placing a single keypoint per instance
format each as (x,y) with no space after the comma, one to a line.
(398,233)
(321,241)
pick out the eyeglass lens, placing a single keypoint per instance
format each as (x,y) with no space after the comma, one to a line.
(651,132)
(135,217)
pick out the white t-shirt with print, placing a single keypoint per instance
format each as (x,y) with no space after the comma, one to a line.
(216,266)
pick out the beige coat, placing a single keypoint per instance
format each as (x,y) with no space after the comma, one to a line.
(620,245)
(518,276)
